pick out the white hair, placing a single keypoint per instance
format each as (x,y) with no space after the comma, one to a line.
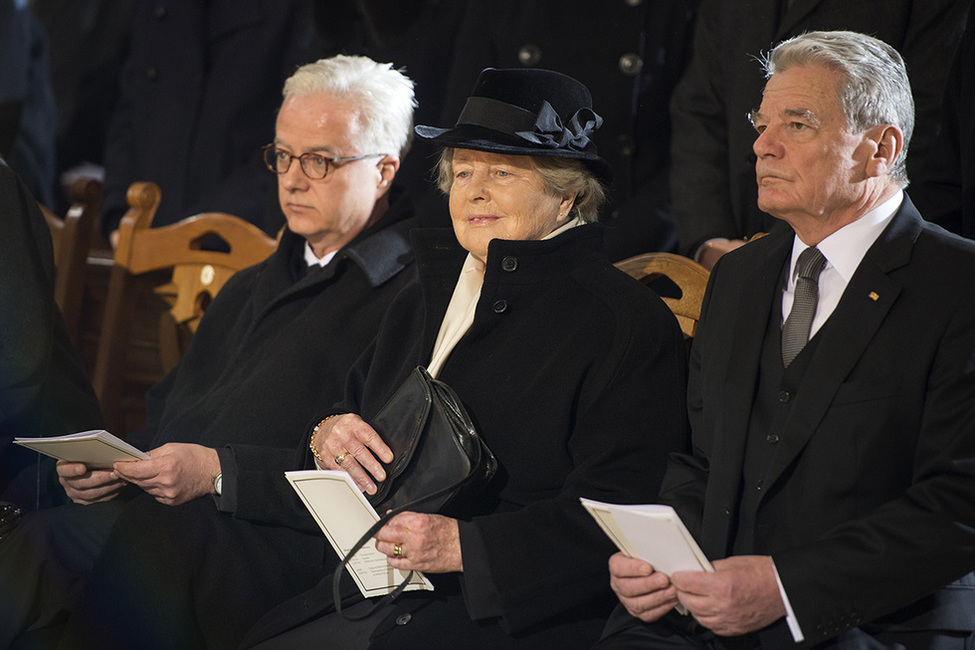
(384,95)
(874,89)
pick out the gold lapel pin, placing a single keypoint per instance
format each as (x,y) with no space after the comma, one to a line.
(873,295)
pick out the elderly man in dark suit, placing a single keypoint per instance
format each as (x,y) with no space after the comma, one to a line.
(711,175)
(831,395)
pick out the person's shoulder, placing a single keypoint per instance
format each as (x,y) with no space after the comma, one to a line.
(756,252)
(930,263)
(937,237)
(623,296)
(937,251)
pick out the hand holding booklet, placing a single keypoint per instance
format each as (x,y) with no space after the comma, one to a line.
(652,533)
(98,449)
(344,514)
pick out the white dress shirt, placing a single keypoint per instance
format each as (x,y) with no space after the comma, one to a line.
(311,259)
(843,250)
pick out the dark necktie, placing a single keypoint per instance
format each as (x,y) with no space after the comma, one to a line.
(795,332)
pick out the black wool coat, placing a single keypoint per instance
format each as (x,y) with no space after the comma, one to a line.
(43,387)
(635,53)
(574,374)
(271,350)
(268,353)
(944,186)
(197,98)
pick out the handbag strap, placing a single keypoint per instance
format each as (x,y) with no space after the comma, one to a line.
(451,403)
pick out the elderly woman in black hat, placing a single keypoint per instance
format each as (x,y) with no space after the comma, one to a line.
(573,374)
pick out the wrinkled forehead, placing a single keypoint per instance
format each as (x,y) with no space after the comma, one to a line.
(802,90)
(318,122)
(460,156)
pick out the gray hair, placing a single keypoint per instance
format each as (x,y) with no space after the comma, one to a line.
(385,98)
(560,177)
(874,89)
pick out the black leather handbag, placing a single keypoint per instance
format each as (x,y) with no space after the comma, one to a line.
(439,460)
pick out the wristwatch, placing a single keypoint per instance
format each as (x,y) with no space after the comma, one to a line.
(218,484)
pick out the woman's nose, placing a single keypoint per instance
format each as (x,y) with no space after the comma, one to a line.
(477,187)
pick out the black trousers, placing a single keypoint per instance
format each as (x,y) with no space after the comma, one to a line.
(42,566)
(188,577)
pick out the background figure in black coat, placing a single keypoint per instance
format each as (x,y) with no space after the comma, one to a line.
(630,55)
(713,176)
(27,113)
(197,101)
(277,339)
(417,36)
(87,41)
(832,490)
(43,387)
(944,186)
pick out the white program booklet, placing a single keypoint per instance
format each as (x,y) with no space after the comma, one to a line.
(653,533)
(98,449)
(344,514)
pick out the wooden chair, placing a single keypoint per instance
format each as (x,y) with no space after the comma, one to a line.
(171,263)
(689,277)
(72,237)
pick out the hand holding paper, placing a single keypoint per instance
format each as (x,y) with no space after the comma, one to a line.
(645,593)
(98,449)
(86,486)
(344,514)
(177,472)
(651,534)
(740,596)
(429,543)
(85,462)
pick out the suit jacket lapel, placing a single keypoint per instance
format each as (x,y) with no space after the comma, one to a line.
(851,327)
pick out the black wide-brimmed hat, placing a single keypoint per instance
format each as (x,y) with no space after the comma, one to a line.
(527,112)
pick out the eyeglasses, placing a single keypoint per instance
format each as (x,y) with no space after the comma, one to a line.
(314,165)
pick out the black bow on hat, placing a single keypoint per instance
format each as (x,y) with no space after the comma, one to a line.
(527,112)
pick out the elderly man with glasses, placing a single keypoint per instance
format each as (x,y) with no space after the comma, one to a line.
(274,345)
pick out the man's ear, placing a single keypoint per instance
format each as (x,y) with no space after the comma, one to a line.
(388,167)
(888,146)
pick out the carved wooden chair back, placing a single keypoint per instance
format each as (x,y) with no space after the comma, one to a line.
(184,265)
(72,238)
(689,277)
